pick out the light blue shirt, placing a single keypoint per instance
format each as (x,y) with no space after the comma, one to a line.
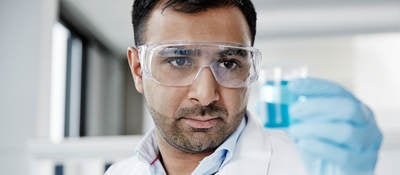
(148,152)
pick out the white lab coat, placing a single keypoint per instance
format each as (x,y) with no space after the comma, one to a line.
(259,152)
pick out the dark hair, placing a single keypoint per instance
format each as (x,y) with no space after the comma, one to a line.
(142,9)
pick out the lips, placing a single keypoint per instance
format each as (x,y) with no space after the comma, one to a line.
(201,122)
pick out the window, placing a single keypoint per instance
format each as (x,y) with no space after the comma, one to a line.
(67,84)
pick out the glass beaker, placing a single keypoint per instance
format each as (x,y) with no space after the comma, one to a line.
(275,98)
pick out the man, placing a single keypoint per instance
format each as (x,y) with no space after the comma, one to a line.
(193,64)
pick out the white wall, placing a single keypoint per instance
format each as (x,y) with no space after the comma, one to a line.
(24,78)
(389,156)
(377,76)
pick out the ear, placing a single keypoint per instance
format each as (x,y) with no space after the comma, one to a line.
(136,68)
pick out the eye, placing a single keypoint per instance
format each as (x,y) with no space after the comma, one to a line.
(179,61)
(229,64)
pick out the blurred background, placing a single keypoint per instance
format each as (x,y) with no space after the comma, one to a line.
(67,101)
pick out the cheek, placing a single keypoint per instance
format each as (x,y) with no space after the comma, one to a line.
(165,100)
(235,99)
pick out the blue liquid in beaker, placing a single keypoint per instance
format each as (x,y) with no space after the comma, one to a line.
(274,104)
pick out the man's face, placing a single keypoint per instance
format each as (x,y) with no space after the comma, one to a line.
(199,117)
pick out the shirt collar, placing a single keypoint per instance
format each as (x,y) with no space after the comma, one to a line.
(147,149)
(231,141)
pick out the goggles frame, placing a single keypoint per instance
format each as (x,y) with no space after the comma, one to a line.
(145,51)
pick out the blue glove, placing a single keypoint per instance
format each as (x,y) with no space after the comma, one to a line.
(330,125)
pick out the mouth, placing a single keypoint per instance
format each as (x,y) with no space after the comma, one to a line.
(201,123)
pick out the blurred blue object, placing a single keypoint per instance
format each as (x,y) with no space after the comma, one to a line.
(275,104)
(332,127)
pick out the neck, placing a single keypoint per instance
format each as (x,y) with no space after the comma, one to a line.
(177,162)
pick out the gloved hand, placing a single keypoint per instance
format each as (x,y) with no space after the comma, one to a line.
(333,129)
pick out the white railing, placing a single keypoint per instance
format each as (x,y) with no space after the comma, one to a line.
(83,156)
(79,156)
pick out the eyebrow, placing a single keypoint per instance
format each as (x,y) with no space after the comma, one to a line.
(180,51)
(233,52)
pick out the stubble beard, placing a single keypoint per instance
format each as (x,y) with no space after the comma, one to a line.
(196,140)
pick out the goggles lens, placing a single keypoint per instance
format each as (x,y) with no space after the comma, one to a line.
(179,64)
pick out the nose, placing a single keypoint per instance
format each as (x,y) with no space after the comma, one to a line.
(204,89)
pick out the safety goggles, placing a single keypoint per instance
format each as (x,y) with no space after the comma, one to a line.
(179,64)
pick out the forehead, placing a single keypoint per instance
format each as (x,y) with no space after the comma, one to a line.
(225,24)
